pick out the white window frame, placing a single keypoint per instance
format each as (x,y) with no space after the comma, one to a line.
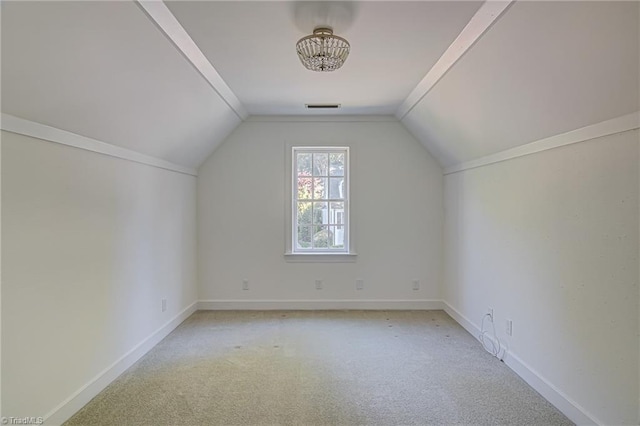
(346,254)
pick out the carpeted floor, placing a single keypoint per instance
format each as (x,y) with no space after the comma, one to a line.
(318,368)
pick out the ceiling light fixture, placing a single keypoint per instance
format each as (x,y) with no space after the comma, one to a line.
(322,51)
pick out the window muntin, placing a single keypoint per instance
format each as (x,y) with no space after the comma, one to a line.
(320,200)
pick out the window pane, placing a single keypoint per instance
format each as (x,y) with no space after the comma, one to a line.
(304,164)
(304,213)
(321,237)
(336,214)
(336,164)
(320,213)
(337,237)
(303,239)
(304,188)
(320,188)
(320,164)
(336,186)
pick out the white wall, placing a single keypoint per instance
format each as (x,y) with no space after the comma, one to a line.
(550,241)
(397,215)
(91,244)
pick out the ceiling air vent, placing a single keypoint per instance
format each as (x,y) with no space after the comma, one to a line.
(322,106)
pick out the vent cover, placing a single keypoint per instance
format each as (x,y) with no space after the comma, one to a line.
(322,106)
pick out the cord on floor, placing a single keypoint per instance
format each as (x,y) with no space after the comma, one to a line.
(494,347)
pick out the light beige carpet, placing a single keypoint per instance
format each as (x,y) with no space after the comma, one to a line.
(318,368)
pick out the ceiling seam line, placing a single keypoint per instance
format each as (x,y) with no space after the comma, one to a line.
(624,123)
(43,132)
(169,25)
(478,25)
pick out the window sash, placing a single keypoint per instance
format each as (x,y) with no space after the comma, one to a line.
(335,221)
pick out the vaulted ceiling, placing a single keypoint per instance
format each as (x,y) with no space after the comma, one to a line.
(173,79)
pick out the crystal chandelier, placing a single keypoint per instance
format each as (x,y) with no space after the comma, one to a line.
(322,51)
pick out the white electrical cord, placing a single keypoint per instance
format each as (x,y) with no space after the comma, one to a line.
(495,347)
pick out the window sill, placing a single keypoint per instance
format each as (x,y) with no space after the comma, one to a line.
(320,257)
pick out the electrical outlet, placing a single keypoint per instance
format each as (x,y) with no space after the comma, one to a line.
(318,284)
(245,284)
(359,284)
(416,284)
(509,327)
(490,312)
(164,305)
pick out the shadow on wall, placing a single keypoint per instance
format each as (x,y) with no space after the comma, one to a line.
(307,15)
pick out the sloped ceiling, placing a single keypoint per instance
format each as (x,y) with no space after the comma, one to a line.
(106,70)
(542,69)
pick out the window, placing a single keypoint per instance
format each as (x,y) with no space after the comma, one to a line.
(320,200)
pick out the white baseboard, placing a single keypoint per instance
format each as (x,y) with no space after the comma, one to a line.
(420,304)
(544,387)
(82,396)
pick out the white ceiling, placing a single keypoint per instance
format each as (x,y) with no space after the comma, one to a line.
(107,71)
(252,46)
(104,70)
(544,68)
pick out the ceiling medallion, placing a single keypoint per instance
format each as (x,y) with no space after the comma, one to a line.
(322,51)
